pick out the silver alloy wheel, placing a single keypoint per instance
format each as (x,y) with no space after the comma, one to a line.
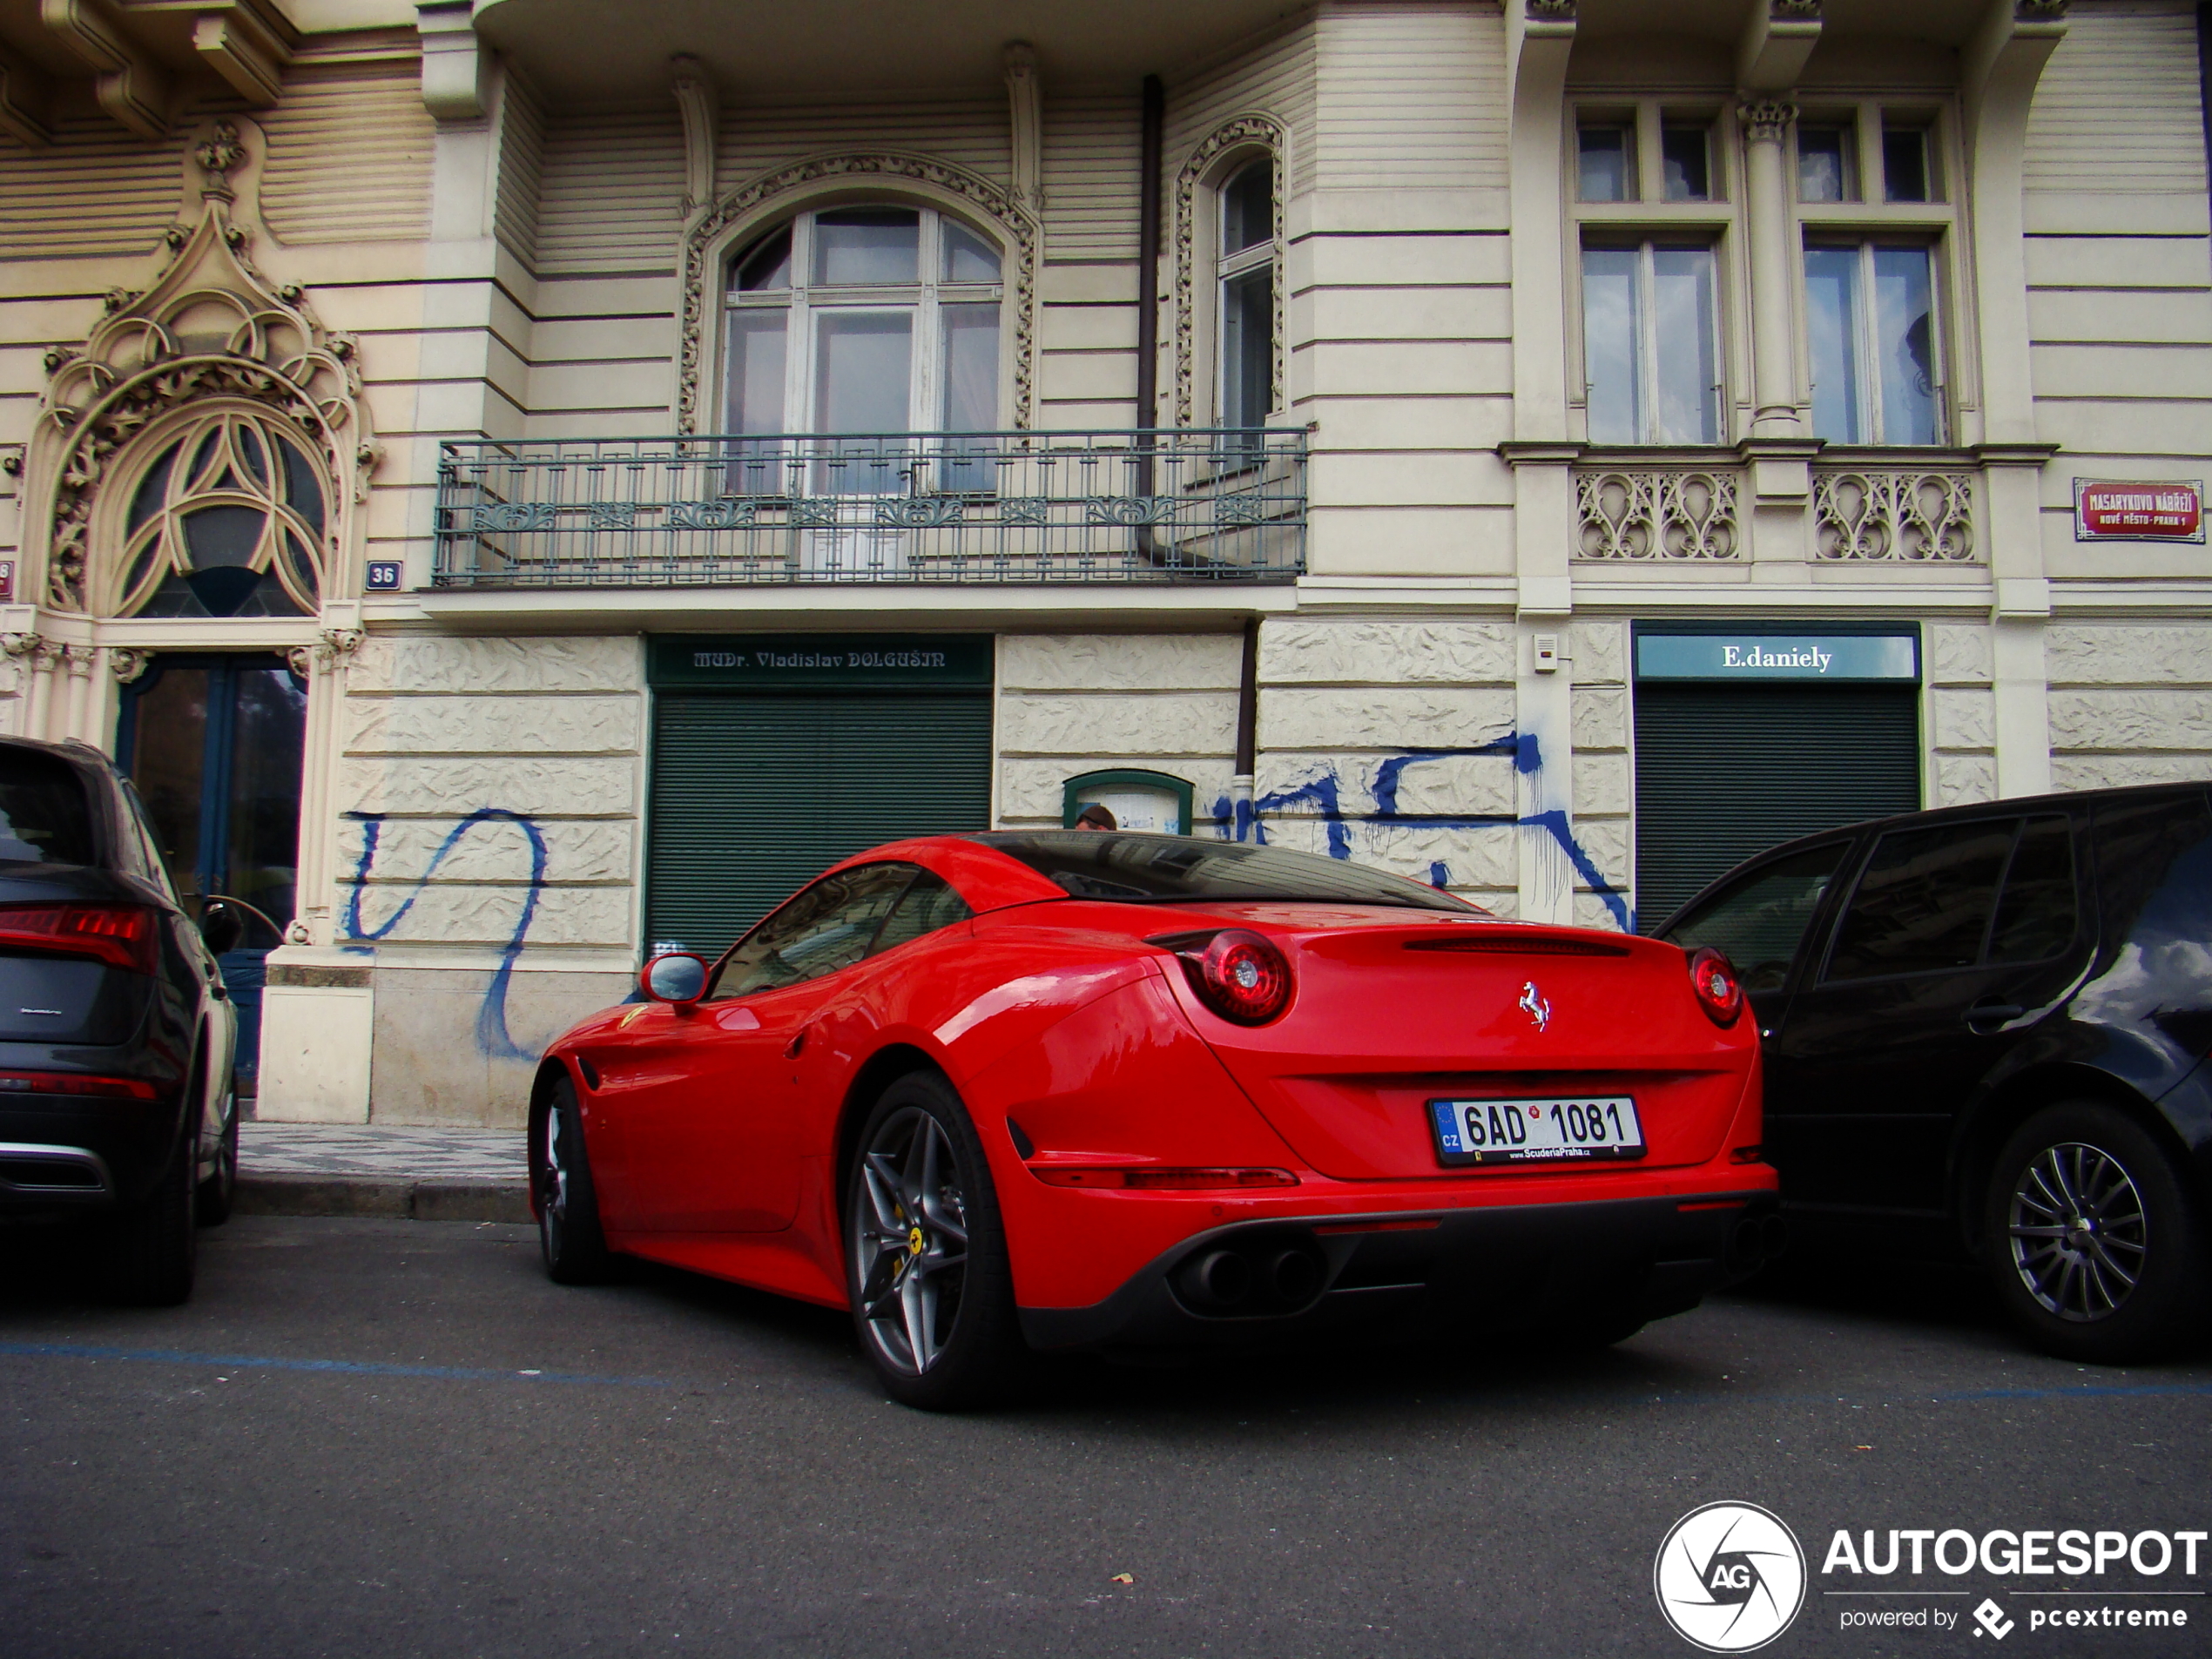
(554,1200)
(910,1239)
(2079,1233)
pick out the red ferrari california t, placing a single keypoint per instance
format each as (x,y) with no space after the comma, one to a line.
(1067,1090)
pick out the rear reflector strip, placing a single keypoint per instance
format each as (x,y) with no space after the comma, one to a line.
(1520,945)
(1156,1180)
(1331,1229)
(1717,1203)
(75,1083)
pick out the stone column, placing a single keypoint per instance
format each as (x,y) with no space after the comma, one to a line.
(323,666)
(77,714)
(1766,119)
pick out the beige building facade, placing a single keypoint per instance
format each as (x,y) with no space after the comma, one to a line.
(516,481)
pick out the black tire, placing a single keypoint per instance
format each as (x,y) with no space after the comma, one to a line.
(919,1171)
(153,1247)
(2131,1281)
(569,1233)
(219,1192)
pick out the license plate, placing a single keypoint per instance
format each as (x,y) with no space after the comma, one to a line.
(1536,1131)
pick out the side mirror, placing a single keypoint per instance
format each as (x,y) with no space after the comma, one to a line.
(221,928)
(679,977)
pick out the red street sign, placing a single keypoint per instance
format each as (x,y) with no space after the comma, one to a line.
(2127,510)
(7,581)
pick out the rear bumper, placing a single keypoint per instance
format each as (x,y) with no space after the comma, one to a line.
(1415,1273)
(51,1147)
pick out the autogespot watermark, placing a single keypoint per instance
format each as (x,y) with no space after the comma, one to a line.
(1730,1577)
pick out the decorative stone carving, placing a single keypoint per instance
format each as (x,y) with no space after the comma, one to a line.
(21,645)
(698,103)
(2038,10)
(1246,131)
(1025,113)
(337,647)
(1656,515)
(1766,118)
(1552,11)
(1793,10)
(1906,516)
(209,326)
(704,241)
(80,660)
(128,666)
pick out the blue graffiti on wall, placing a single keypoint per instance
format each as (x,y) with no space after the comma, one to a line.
(1322,796)
(492,1035)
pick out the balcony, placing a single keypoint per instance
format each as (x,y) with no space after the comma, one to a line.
(1185,506)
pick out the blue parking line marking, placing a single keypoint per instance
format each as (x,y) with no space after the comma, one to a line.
(343,1367)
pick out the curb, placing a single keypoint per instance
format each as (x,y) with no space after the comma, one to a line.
(391,1198)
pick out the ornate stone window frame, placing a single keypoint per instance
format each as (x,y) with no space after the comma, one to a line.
(210,326)
(1218,157)
(719,231)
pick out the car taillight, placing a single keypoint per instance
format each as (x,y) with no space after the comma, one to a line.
(1719,992)
(75,1082)
(1240,975)
(121,935)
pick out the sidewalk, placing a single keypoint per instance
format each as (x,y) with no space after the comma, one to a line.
(362,1170)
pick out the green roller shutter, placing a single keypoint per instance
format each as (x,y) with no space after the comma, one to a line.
(1723,772)
(755,792)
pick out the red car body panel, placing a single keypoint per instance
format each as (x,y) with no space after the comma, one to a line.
(716,1131)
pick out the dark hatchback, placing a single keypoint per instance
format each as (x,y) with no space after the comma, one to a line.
(116,1033)
(1986,1028)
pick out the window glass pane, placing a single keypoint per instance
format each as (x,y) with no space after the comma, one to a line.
(971,371)
(223,534)
(44,817)
(1905,342)
(768,265)
(267,742)
(169,744)
(1688,161)
(1248,209)
(2035,917)
(1682,330)
(826,927)
(1904,164)
(152,488)
(1611,359)
(1090,864)
(1761,921)
(1248,347)
(968,258)
(1827,164)
(302,489)
(757,337)
(1831,324)
(929,904)
(1607,168)
(863,370)
(1923,901)
(869,247)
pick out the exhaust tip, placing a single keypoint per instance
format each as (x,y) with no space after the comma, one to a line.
(1219,1280)
(1296,1277)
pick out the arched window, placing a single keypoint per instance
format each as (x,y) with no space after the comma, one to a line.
(226,519)
(874,319)
(1245,273)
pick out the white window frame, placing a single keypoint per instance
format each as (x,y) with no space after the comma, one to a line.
(1267,252)
(1645,219)
(803,303)
(1872,220)
(1646,416)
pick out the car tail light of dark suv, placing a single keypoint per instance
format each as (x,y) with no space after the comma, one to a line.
(124,936)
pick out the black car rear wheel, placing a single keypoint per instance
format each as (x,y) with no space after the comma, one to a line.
(568,1205)
(926,1260)
(2091,1238)
(154,1247)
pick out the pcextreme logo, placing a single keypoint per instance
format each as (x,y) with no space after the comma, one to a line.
(1730,1577)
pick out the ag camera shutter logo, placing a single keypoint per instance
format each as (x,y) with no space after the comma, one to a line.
(1730,1577)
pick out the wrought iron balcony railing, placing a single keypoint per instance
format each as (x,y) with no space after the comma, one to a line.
(1185,505)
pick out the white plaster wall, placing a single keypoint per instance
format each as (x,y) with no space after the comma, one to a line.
(1961,713)
(1346,707)
(1604,825)
(2131,703)
(1075,703)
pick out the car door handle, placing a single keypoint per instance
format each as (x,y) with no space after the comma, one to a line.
(1987,1015)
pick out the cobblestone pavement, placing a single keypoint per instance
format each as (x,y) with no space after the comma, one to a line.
(390,1153)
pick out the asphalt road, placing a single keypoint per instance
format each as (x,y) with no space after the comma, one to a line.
(397,1438)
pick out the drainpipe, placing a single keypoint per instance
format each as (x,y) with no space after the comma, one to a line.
(1240,786)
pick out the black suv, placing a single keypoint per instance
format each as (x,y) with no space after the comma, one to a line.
(116,1033)
(1987,1027)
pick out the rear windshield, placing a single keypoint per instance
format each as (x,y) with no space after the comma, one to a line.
(1144,869)
(44,817)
